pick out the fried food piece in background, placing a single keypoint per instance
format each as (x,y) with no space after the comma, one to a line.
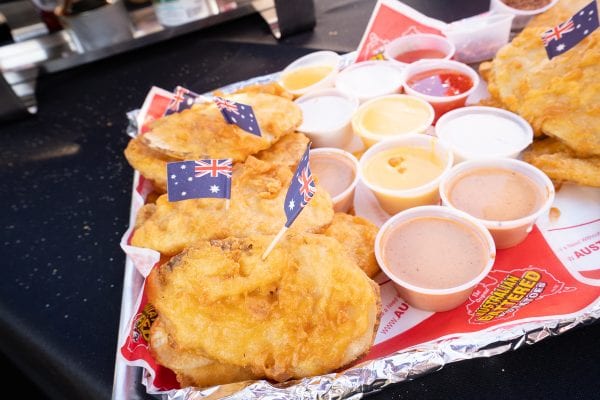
(306,310)
(150,163)
(286,151)
(357,235)
(191,368)
(485,69)
(144,214)
(201,131)
(558,97)
(562,164)
(491,102)
(258,192)
(270,88)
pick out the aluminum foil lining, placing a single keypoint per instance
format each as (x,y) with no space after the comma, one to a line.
(401,366)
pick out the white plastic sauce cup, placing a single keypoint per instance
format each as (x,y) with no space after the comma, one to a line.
(343,201)
(522,17)
(419,41)
(397,123)
(483,132)
(396,200)
(319,58)
(505,233)
(369,79)
(441,104)
(327,116)
(427,298)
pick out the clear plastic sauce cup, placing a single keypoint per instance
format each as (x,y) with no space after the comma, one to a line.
(480,37)
(522,17)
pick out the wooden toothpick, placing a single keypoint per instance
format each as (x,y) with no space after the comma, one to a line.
(274,242)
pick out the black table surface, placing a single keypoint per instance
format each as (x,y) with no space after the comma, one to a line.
(65,192)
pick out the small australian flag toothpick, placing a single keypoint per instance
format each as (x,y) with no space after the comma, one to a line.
(565,36)
(239,114)
(209,178)
(182,100)
(301,190)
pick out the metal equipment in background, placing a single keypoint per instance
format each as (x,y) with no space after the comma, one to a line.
(28,49)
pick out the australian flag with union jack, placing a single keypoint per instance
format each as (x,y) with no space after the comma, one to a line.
(182,100)
(239,114)
(199,179)
(301,190)
(565,36)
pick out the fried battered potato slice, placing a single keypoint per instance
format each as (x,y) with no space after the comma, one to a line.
(144,214)
(286,151)
(258,192)
(357,235)
(558,97)
(306,310)
(150,163)
(191,368)
(201,131)
(562,164)
(484,70)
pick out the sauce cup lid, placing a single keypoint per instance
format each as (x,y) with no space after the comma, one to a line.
(478,38)
(324,57)
(479,132)
(431,64)
(511,164)
(476,24)
(436,212)
(418,140)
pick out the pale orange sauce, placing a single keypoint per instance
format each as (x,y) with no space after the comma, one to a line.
(434,253)
(334,173)
(303,77)
(496,194)
(403,167)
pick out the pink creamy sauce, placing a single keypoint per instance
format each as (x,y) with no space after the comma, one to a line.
(334,173)
(435,253)
(496,194)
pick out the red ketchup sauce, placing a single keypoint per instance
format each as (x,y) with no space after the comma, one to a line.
(415,55)
(440,82)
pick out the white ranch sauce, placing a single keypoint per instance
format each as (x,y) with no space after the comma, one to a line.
(370,81)
(325,113)
(484,134)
